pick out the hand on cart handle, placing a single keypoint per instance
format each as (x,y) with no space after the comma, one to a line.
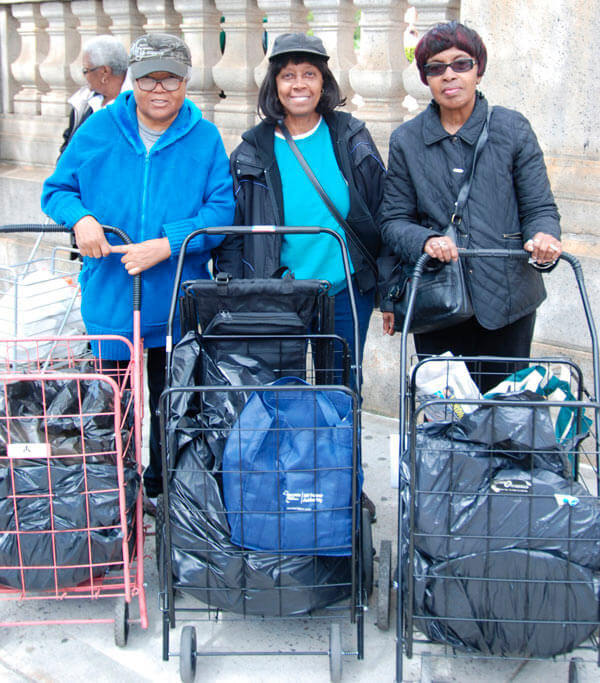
(143,255)
(545,249)
(90,238)
(442,248)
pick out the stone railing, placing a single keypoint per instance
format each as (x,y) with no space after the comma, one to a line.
(41,57)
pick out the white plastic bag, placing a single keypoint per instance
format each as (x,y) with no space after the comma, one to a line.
(445,379)
(37,305)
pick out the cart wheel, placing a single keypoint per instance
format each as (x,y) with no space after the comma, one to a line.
(187,654)
(121,623)
(573,669)
(159,526)
(335,653)
(383,586)
(366,549)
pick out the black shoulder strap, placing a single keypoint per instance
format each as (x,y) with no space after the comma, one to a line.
(463,195)
(354,238)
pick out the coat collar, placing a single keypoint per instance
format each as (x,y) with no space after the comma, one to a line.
(433,131)
(262,136)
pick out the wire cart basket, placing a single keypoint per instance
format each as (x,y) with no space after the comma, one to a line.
(499,515)
(282,537)
(70,455)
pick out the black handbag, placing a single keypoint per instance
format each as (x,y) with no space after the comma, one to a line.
(442,298)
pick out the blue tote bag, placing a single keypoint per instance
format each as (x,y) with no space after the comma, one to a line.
(287,472)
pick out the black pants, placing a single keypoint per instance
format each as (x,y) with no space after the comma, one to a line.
(155,376)
(471,339)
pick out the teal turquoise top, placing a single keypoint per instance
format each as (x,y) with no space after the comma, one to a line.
(312,256)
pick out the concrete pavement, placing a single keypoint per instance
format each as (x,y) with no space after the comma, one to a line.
(75,653)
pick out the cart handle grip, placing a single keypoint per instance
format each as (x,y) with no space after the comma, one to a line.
(40,227)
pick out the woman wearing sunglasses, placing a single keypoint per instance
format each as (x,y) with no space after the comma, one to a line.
(510,204)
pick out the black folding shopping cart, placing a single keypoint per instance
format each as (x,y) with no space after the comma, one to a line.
(499,516)
(260,516)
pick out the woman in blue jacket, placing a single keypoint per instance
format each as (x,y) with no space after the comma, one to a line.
(152,166)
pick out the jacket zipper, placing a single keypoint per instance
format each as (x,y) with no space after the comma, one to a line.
(278,218)
(145,194)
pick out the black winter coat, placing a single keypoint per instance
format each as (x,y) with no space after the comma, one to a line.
(510,201)
(259,198)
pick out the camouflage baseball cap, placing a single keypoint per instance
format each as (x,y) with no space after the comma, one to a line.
(159,52)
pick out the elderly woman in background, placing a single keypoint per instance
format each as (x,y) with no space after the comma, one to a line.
(510,204)
(271,188)
(104,66)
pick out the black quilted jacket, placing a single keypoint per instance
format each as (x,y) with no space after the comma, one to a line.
(510,201)
(259,198)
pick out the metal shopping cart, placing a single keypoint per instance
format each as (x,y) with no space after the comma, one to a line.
(260,517)
(70,450)
(499,516)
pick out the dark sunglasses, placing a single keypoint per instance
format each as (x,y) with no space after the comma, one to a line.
(459,66)
(170,83)
(89,71)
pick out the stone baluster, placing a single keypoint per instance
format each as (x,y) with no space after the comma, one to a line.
(334,22)
(127,22)
(63,50)
(283,16)
(92,22)
(200,28)
(234,72)
(428,13)
(377,77)
(161,16)
(9,51)
(34,46)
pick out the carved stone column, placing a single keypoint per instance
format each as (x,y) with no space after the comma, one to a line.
(377,77)
(127,22)
(62,52)
(160,16)
(234,72)
(9,51)
(92,22)
(200,28)
(333,21)
(429,13)
(283,16)
(34,46)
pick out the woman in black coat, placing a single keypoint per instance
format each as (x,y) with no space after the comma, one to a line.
(510,204)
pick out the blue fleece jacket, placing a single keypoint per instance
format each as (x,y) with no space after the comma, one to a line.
(181,184)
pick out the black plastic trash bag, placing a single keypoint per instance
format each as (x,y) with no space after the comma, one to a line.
(511,603)
(469,499)
(512,427)
(55,533)
(208,566)
(73,416)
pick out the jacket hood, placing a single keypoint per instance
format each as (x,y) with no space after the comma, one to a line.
(123,111)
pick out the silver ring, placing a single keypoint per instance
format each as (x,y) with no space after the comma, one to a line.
(553,247)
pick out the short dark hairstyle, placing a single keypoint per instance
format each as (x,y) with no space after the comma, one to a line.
(444,36)
(269,106)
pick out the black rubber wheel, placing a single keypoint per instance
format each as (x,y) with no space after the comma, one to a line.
(384,586)
(366,551)
(335,653)
(159,530)
(574,669)
(187,654)
(121,623)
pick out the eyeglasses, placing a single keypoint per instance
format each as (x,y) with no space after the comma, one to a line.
(170,83)
(459,66)
(85,72)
